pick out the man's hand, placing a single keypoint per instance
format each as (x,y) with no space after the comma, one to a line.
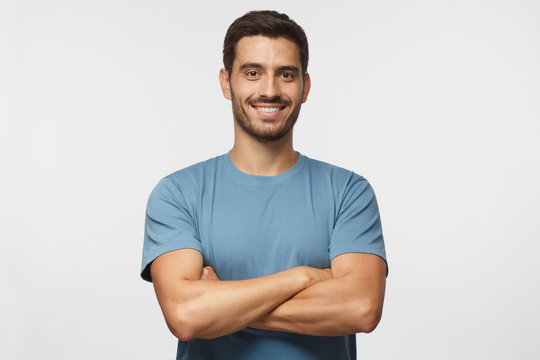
(208,273)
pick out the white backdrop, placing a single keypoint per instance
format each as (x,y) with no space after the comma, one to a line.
(435,102)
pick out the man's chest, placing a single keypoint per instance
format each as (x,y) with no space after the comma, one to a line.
(258,231)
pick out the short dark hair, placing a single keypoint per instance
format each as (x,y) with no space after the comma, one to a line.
(267,23)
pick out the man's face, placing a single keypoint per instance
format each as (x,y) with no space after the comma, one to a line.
(266,86)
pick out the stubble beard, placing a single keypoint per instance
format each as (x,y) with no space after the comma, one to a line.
(266,134)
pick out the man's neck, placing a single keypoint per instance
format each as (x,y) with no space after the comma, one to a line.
(267,159)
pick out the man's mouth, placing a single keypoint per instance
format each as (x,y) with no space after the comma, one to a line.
(268,109)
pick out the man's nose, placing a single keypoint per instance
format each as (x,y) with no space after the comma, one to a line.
(269,87)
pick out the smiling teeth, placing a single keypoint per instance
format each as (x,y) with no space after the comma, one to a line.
(268,109)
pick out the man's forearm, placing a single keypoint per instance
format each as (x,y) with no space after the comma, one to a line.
(333,307)
(208,309)
(324,309)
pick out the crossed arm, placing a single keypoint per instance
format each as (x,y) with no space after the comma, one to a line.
(345,299)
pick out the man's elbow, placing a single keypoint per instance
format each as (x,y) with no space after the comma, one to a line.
(182,325)
(368,315)
(368,326)
(182,333)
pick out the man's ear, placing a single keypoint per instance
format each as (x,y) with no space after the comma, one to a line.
(225,84)
(307,87)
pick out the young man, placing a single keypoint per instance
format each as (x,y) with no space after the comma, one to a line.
(264,253)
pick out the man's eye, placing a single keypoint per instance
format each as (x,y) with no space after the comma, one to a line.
(252,73)
(287,75)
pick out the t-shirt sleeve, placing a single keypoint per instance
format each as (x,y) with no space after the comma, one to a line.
(358,224)
(168,226)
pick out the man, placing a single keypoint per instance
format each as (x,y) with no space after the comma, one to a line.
(264,253)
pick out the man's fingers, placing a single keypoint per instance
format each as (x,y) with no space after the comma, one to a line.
(329,273)
(208,273)
(204,272)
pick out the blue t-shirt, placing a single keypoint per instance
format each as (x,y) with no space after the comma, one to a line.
(248,226)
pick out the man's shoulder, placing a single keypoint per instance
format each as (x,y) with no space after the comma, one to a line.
(334,172)
(195,173)
(188,181)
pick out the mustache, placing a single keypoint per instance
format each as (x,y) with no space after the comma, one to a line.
(273,100)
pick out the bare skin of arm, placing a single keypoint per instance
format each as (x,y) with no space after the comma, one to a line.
(349,303)
(196,308)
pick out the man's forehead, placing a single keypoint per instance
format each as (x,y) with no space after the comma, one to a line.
(263,49)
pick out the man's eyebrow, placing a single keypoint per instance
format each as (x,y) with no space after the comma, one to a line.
(251,66)
(289,68)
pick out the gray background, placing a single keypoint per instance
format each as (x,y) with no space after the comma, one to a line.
(435,102)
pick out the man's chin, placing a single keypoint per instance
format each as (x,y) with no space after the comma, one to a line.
(267,135)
